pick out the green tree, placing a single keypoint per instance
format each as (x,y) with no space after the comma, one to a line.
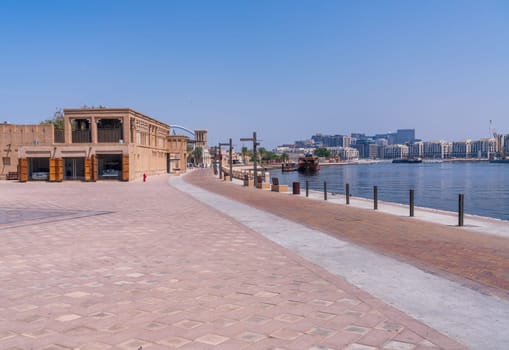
(322,152)
(197,156)
(57,120)
(262,152)
(284,157)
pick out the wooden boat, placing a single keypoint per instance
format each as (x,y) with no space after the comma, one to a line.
(308,163)
(287,167)
(408,160)
(500,161)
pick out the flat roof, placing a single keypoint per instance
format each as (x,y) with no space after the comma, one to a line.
(112,110)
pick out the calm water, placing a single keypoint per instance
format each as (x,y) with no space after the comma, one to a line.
(436,185)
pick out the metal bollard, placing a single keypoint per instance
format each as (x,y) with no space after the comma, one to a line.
(411,203)
(296,187)
(347,193)
(375,197)
(307,188)
(325,190)
(461,209)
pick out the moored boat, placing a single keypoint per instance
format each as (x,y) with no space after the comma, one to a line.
(500,161)
(408,160)
(308,163)
(287,167)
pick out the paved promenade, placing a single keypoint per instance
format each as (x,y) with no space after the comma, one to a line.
(112,265)
(424,269)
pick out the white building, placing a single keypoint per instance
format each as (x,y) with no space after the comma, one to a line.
(462,149)
(395,152)
(416,150)
(483,148)
(437,150)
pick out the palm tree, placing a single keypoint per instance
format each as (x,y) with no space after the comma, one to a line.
(262,152)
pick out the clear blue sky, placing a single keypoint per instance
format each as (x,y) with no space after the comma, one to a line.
(284,68)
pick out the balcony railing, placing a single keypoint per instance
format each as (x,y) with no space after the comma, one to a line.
(109,135)
(81,136)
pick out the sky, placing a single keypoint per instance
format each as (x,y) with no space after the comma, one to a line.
(286,69)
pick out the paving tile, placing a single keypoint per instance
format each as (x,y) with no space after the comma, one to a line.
(23,307)
(38,333)
(94,346)
(68,317)
(4,335)
(188,324)
(356,329)
(133,344)
(77,294)
(174,342)
(250,337)
(290,318)
(56,347)
(324,332)
(397,345)
(158,269)
(286,334)
(356,346)
(211,339)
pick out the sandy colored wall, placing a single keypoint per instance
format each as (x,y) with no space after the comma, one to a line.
(144,160)
(14,136)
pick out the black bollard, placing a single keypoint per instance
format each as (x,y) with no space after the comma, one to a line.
(411,203)
(307,188)
(296,187)
(461,209)
(325,190)
(347,193)
(375,197)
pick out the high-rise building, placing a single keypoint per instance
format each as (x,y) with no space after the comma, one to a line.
(405,136)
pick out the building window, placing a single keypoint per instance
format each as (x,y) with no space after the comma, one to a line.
(6,160)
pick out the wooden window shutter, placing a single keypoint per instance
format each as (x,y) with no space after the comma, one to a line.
(52,170)
(87,169)
(60,169)
(23,170)
(93,166)
(125,168)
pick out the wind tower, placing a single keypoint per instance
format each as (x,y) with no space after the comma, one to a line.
(201,138)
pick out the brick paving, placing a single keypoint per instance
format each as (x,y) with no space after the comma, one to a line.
(113,265)
(478,260)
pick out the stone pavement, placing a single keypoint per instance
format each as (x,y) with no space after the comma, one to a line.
(113,265)
(476,259)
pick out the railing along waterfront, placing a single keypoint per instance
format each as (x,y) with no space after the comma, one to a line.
(435,185)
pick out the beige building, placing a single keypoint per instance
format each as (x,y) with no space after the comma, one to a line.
(12,137)
(94,144)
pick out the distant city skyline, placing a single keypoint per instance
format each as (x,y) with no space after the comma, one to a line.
(284,69)
(400,136)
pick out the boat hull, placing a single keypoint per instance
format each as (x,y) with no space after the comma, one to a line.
(407,161)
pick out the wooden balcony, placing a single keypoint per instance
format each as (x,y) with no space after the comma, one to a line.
(81,136)
(59,136)
(109,135)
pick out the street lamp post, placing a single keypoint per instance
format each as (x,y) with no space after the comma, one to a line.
(255,143)
(229,161)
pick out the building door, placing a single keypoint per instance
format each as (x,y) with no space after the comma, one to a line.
(74,168)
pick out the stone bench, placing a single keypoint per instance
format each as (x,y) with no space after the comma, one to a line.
(276,187)
(248,182)
(260,184)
